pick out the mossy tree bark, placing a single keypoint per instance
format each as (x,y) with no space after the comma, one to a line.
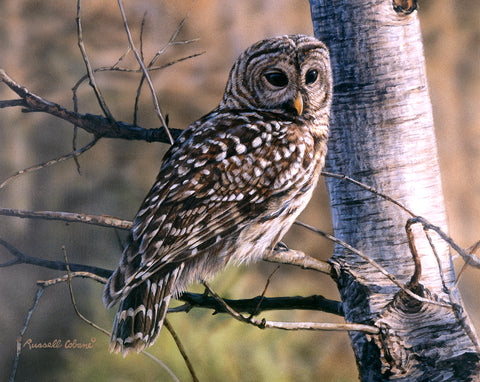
(382,135)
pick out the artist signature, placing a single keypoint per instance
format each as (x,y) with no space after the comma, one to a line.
(71,344)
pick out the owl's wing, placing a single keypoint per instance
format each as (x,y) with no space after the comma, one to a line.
(221,173)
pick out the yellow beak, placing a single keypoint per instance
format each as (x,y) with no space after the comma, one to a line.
(298,103)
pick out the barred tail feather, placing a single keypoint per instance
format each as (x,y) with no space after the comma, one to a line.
(141,313)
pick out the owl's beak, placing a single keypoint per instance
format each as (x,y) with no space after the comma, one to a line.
(298,103)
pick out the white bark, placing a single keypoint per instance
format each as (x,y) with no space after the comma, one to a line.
(382,135)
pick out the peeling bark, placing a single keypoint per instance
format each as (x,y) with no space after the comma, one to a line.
(382,135)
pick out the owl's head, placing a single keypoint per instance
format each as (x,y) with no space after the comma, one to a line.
(286,74)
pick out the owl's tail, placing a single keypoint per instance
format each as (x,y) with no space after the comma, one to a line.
(141,313)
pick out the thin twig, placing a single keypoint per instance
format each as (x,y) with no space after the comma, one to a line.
(471,251)
(472,259)
(91,323)
(72,297)
(26,322)
(51,162)
(181,349)
(437,257)
(93,84)
(321,326)
(74,148)
(162,365)
(382,270)
(75,127)
(368,188)
(145,72)
(262,296)
(67,278)
(171,42)
(142,30)
(115,68)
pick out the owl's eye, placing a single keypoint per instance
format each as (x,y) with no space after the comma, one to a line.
(311,76)
(277,78)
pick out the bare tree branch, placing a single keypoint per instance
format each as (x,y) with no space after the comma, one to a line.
(22,258)
(114,68)
(97,125)
(170,43)
(298,258)
(145,73)
(471,252)
(12,103)
(415,279)
(373,263)
(262,296)
(281,255)
(67,278)
(26,322)
(193,300)
(249,305)
(296,255)
(471,258)
(287,257)
(69,217)
(91,77)
(262,324)
(181,349)
(64,278)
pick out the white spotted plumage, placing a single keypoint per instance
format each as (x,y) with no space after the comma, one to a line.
(230,186)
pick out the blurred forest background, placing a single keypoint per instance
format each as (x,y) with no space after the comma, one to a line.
(39,49)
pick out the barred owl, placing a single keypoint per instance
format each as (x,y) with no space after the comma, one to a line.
(230,186)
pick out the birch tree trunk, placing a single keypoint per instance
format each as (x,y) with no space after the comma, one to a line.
(382,135)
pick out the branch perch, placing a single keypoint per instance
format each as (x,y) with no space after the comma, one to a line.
(298,258)
(262,324)
(258,304)
(253,305)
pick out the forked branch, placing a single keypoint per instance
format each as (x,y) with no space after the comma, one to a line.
(263,324)
(97,125)
(192,300)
